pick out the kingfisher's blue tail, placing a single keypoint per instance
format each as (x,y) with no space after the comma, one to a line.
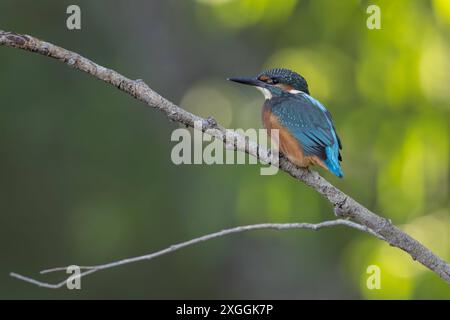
(332,161)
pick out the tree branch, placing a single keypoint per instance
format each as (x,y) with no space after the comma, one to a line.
(344,206)
(175,247)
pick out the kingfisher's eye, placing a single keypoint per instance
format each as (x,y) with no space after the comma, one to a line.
(268,80)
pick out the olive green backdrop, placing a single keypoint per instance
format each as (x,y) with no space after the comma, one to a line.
(86,175)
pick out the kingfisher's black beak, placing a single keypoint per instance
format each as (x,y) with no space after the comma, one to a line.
(249,81)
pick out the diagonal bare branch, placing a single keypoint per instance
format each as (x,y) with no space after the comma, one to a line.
(344,206)
(175,247)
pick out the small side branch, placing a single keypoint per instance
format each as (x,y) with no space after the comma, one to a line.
(344,205)
(263,226)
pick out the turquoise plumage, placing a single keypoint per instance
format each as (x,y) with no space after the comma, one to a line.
(307,133)
(311,124)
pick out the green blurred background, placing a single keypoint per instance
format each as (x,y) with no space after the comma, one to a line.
(86,175)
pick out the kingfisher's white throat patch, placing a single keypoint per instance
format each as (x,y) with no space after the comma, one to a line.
(267,94)
(295,91)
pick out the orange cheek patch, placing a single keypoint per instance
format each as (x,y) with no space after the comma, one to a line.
(284,87)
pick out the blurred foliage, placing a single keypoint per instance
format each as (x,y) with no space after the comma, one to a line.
(86,175)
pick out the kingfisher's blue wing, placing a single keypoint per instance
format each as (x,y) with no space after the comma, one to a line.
(328,114)
(311,124)
(308,123)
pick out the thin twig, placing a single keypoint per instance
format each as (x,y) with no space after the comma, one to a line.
(344,206)
(175,247)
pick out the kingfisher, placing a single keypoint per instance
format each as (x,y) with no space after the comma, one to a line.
(307,135)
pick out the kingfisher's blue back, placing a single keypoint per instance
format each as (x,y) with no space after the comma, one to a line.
(310,123)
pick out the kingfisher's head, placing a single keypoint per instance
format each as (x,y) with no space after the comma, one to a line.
(274,82)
